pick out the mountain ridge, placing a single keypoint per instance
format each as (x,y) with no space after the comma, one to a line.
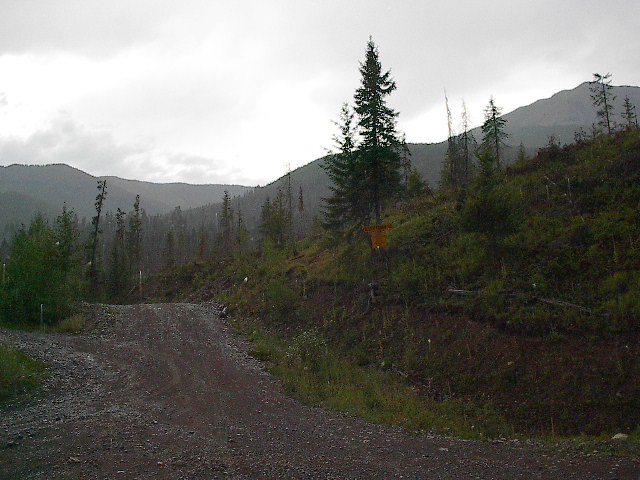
(559,116)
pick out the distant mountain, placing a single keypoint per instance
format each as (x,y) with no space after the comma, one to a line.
(27,189)
(560,116)
(45,188)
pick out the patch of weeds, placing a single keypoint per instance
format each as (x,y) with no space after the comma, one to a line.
(19,374)
(74,324)
(310,371)
(603,445)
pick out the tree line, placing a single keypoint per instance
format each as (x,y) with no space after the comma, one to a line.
(52,267)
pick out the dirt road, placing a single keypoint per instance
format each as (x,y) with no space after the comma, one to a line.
(168,391)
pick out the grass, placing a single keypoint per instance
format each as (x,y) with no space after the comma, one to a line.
(310,371)
(598,445)
(19,374)
(74,324)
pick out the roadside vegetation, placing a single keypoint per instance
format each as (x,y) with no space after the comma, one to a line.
(526,330)
(505,303)
(19,374)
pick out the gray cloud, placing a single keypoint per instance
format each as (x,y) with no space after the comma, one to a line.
(165,88)
(96,152)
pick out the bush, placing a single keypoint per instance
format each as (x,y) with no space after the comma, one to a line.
(19,374)
(281,300)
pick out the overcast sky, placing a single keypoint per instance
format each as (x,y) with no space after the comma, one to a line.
(204,91)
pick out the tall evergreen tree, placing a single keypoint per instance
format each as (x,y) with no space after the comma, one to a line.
(242,234)
(629,114)
(134,239)
(119,277)
(452,170)
(68,255)
(169,252)
(273,222)
(345,204)
(95,221)
(380,146)
(34,275)
(226,222)
(302,218)
(603,98)
(467,145)
(405,161)
(366,174)
(493,132)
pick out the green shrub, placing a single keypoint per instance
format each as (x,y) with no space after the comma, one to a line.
(73,324)
(19,374)
(281,299)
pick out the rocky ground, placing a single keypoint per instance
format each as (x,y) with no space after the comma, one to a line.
(168,391)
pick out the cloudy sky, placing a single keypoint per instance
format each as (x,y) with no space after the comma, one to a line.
(205,91)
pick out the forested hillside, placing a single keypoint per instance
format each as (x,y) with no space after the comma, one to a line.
(561,117)
(518,309)
(46,188)
(505,301)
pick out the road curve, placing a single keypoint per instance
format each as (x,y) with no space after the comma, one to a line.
(167,391)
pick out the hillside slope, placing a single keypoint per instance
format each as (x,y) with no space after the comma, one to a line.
(560,116)
(46,188)
(523,301)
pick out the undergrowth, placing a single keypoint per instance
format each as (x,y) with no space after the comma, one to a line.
(515,311)
(313,372)
(19,374)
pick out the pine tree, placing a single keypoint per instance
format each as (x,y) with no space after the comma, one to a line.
(365,175)
(522,153)
(379,150)
(467,146)
(95,221)
(34,275)
(416,186)
(344,206)
(290,227)
(629,114)
(302,219)
(134,239)
(451,171)
(493,132)
(242,234)
(169,252)
(603,98)
(119,277)
(226,222)
(405,161)
(273,222)
(68,257)
(202,243)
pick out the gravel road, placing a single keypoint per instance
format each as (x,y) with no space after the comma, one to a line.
(168,391)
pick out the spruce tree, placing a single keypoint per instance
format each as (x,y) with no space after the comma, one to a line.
(119,271)
(95,221)
(365,174)
(603,98)
(343,169)
(467,145)
(134,239)
(226,222)
(68,256)
(380,147)
(629,114)
(493,132)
